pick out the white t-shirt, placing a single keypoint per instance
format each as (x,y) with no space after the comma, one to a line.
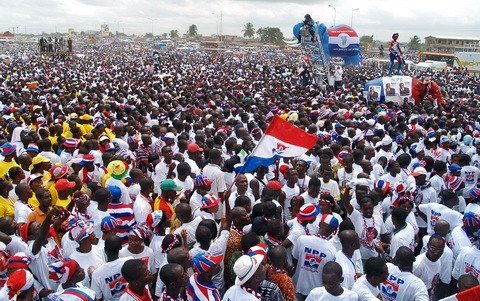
(312,253)
(404,237)
(21,212)
(68,245)
(215,174)
(124,197)
(156,246)
(320,293)
(365,291)
(446,259)
(48,254)
(330,187)
(403,286)
(435,212)
(437,183)
(473,207)
(427,270)
(457,241)
(289,194)
(367,238)
(468,262)
(89,262)
(388,226)
(141,209)
(191,227)
(425,196)
(348,267)
(107,280)
(146,256)
(237,293)
(470,176)
(16,245)
(235,195)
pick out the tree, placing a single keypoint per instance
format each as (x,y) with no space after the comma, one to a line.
(192,30)
(271,35)
(366,39)
(174,34)
(414,43)
(7,32)
(248,30)
(149,35)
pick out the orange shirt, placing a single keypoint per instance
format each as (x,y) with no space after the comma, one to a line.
(166,207)
(37,216)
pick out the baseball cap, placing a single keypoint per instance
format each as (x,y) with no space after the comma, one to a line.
(58,171)
(108,223)
(308,212)
(330,220)
(169,185)
(168,135)
(154,218)
(204,261)
(201,180)
(274,185)
(7,149)
(387,140)
(193,148)
(245,267)
(38,160)
(454,168)
(115,191)
(419,171)
(444,139)
(64,184)
(209,201)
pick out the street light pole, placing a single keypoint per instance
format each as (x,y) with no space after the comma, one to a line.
(334,14)
(152,20)
(216,15)
(351,19)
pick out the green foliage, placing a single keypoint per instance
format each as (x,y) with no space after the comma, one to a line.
(271,35)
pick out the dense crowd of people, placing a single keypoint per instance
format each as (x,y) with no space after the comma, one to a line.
(121,179)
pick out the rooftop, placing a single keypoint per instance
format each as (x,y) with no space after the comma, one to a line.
(455,38)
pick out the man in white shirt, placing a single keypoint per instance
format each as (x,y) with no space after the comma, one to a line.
(432,212)
(347,256)
(468,262)
(183,213)
(401,284)
(463,235)
(214,173)
(376,272)
(311,253)
(250,273)
(107,280)
(428,266)
(404,234)
(332,290)
(142,206)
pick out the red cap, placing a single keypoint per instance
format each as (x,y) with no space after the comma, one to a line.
(274,185)
(193,147)
(63,184)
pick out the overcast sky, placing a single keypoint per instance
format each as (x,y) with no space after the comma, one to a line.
(375,17)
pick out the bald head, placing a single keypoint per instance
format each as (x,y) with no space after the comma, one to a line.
(183,211)
(278,256)
(442,227)
(347,237)
(180,256)
(332,267)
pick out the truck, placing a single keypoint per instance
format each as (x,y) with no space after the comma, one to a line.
(469,60)
(431,65)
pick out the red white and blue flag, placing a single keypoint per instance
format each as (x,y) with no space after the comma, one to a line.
(281,140)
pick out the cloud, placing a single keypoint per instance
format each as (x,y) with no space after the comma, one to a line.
(377,17)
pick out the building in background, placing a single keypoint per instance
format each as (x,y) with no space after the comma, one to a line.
(452,44)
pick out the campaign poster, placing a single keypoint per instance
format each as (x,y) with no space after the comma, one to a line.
(397,89)
(373,93)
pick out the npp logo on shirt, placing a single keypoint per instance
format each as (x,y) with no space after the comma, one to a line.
(389,289)
(313,258)
(470,269)
(434,217)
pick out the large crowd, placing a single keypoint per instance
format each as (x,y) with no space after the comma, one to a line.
(120,179)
